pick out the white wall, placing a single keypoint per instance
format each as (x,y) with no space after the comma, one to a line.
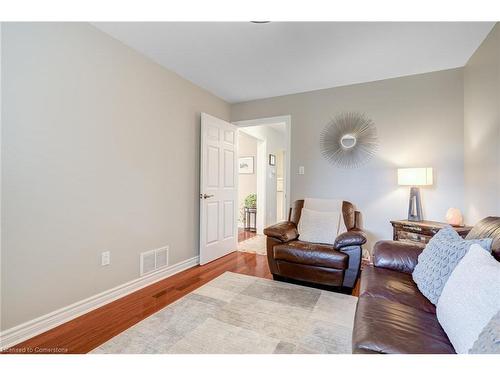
(420,123)
(247,183)
(100,152)
(482,129)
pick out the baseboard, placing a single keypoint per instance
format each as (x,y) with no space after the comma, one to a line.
(25,331)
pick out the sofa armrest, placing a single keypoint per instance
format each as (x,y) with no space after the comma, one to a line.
(353,237)
(396,255)
(284,231)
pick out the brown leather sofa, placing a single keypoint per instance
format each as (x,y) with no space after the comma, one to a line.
(392,316)
(334,265)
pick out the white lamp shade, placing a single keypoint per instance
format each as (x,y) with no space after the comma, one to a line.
(415,176)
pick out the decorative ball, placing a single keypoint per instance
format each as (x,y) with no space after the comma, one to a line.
(454,217)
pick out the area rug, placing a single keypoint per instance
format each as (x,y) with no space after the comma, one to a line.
(244,314)
(255,245)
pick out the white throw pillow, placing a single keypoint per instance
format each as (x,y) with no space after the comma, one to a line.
(327,205)
(318,227)
(323,205)
(470,298)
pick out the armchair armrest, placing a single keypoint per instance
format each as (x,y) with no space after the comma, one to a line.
(353,237)
(396,255)
(284,231)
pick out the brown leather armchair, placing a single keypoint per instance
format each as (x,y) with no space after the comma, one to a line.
(334,265)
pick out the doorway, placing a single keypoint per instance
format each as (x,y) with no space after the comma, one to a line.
(263,174)
(248,146)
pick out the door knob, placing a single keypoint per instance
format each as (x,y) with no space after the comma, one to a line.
(205,196)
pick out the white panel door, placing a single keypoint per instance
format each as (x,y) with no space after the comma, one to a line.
(218,188)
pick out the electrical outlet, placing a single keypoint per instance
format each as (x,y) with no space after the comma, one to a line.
(302,170)
(105,258)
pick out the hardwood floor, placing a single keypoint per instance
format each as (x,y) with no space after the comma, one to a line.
(96,327)
(245,234)
(88,331)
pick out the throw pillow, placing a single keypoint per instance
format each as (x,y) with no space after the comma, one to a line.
(438,260)
(318,227)
(488,341)
(470,298)
(327,205)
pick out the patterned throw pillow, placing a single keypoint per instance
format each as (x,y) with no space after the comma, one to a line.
(439,259)
(488,341)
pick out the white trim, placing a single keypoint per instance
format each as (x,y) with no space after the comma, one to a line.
(262,186)
(25,331)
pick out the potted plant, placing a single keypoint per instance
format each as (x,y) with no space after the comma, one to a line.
(249,210)
(251,201)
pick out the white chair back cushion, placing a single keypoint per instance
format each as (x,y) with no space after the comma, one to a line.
(318,227)
(327,205)
(323,205)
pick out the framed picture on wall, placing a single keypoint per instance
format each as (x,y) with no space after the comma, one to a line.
(272,159)
(245,165)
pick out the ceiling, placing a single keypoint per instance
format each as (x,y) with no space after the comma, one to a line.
(240,61)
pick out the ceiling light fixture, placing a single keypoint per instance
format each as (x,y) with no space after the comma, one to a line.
(260,21)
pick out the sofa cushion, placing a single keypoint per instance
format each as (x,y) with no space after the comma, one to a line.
(489,227)
(488,341)
(384,326)
(439,259)
(320,255)
(470,298)
(394,286)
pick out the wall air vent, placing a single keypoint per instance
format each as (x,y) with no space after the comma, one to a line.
(154,260)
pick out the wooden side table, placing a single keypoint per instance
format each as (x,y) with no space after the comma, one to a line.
(421,231)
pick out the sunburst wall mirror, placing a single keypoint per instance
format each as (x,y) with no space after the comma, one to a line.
(349,140)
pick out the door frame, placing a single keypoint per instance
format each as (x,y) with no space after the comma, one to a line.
(287,120)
